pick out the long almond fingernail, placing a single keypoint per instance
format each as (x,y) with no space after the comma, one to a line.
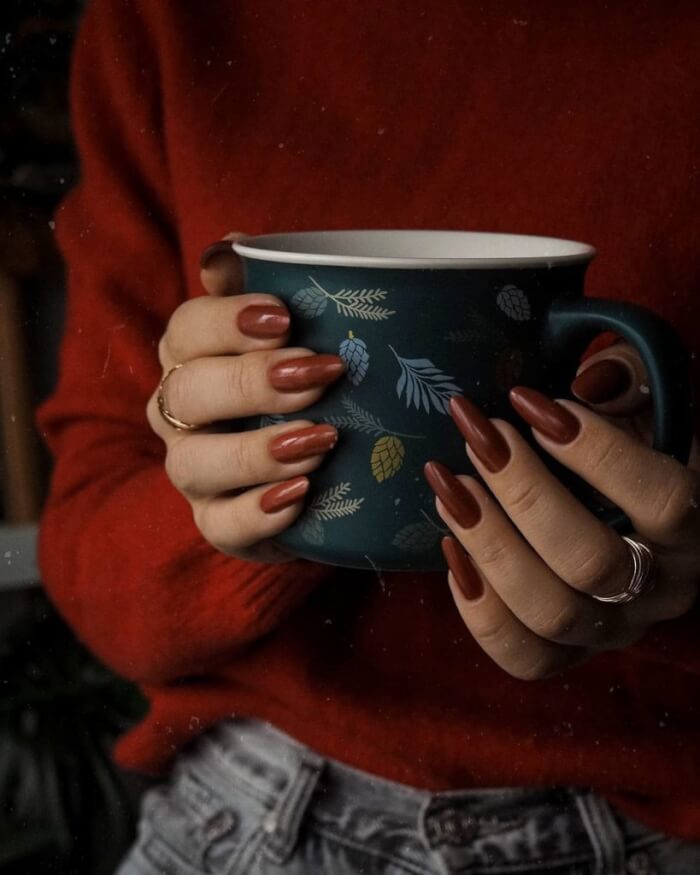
(263,321)
(465,574)
(480,433)
(605,380)
(545,415)
(295,375)
(304,442)
(453,494)
(284,494)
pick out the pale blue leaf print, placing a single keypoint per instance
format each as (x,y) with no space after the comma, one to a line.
(424,384)
(311,530)
(309,303)
(354,353)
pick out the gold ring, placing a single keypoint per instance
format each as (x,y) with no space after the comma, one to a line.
(166,414)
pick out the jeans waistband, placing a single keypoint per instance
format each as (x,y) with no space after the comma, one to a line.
(502,830)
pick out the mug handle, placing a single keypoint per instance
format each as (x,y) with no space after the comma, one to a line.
(572,324)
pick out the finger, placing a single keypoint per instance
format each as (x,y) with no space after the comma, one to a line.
(223,326)
(201,465)
(235,524)
(578,548)
(499,633)
(658,494)
(543,602)
(283,381)
(614,382)
(221,270)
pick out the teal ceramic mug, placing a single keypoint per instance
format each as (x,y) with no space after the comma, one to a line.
(419,316)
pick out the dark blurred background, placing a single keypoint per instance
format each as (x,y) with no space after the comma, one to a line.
(64,808)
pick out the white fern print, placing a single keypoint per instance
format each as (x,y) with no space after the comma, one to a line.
(362,420)
(424,384)
(331,504)
(358,303)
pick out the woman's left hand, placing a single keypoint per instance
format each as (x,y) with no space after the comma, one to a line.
(536,555)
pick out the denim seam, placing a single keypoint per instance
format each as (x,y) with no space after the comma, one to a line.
(242,781)
(341,839)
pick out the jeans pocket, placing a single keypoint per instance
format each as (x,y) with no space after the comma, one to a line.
(191,828)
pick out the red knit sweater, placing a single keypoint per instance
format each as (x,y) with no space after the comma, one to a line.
(573,120)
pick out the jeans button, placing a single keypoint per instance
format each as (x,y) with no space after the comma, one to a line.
(451,827)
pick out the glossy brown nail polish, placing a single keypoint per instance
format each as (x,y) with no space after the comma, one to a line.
(453,494)
(221,247)
(480,433)
(284,494)
(296,445)
(545,415)
(295,375)
(263,320)
(466,576)
(603,381)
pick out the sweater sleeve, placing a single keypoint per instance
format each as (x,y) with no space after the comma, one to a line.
(119,552)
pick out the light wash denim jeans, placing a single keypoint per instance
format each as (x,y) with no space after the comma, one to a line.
(249,799)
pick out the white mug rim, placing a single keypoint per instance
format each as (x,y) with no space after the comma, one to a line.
(533,250)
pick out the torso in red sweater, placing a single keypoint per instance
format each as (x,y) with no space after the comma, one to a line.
(579,121)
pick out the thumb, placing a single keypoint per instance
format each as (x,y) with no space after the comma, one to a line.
(221,271)
(613,381)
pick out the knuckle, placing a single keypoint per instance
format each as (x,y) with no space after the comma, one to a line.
(239,459)
(557,625)
(164,352)
(541,666)
(201,516)
(675,505)
(493,553)
(523,498)
(180,465)
(604,454)
(597,566)
(173,342)
(153,416)
(239,381)
(492,633)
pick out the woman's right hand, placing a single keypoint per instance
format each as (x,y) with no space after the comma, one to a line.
(235,364)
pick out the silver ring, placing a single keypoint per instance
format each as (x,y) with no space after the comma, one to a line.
(642,579)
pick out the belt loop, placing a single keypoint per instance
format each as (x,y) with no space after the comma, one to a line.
(604,833)
(282,824)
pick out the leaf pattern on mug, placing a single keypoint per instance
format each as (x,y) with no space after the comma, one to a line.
(331,503)
(424,384)
(514,303)
(309,303)
(387,457)
(419,537)
(354,353)
(311,530)
(358,303)
(359,419)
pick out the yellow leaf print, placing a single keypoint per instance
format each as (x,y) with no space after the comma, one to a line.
(387,457)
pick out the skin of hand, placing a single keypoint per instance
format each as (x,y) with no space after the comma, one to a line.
(527,556)
(244,487)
